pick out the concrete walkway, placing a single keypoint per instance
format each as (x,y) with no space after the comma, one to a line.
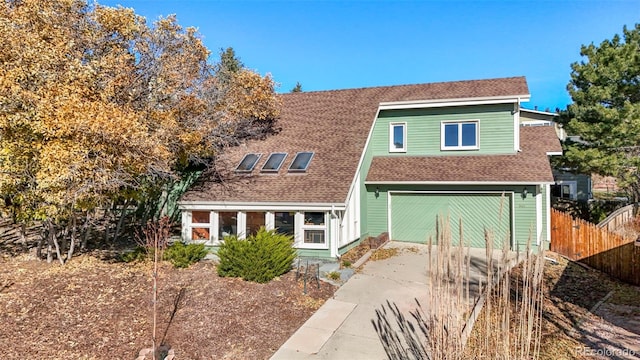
(342,328)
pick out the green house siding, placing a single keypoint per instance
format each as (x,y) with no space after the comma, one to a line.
(423,138)
(377,213)
(514,216)
(495,122)
(479,207)
(314,253)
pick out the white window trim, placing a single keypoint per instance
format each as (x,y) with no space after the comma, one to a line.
(301,227)
(191,225)
(539,214)
(573,188)
(216,222)
(243,217)
(459,123)
(392,148)
(241,222)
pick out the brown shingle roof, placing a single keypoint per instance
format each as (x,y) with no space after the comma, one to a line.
(530,165)
(335,125)
(539,138)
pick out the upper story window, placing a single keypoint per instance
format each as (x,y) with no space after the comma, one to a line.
(274,162)
(301,162)
(398,137)
(461,135)
(248,162)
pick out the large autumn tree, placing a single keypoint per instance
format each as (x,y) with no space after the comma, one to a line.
(605,113)
(99,107)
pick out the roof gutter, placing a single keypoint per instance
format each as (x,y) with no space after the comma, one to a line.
(419,104)
(458,182)
(264,206)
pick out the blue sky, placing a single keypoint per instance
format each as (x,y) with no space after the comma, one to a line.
(348,44)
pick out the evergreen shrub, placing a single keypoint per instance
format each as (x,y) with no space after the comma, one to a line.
(182,255)
(259,258)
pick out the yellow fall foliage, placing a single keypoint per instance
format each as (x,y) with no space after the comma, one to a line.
(92,100)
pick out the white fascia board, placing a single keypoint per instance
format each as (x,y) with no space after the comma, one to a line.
(440,192)
(547,211)
(458,182)
(539,112)
(354,181)
(419,104)
(257,206)
(554,153)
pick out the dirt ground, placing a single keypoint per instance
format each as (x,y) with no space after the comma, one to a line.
(571,331)
(96,309)
(569,328)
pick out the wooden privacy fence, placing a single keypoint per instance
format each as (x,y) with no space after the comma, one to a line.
(585,242)
(618,218)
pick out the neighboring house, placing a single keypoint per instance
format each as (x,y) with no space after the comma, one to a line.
(349,164)
(571,185)
(542,118)
(568,184)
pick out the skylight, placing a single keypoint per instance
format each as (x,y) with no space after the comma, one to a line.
(274,162)
(248,162)
(301,162)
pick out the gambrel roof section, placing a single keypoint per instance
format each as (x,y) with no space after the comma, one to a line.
(529,166)
(334,126)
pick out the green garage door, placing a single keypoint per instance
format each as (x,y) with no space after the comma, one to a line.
(414,217)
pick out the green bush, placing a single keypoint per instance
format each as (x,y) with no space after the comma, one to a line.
(259,258)
(182,256)
(137,254)
(334,275)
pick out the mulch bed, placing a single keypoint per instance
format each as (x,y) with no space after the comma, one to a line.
(358,251)
(94,309)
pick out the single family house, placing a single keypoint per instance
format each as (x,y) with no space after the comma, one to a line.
(353,163)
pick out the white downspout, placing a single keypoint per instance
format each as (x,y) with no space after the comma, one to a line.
(334,232)
(516,130)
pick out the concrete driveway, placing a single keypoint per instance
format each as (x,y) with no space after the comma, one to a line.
(342,328)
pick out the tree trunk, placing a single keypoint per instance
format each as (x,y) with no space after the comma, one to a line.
(162,206)
(39,246)
(54,240)
(49,253)
(72,243)
(49,249)
(86,230)
(23,234)
(120,224)
(63,239)
(107,225)
(46,236)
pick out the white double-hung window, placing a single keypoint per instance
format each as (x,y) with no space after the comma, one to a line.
(459,135)
(314,229)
